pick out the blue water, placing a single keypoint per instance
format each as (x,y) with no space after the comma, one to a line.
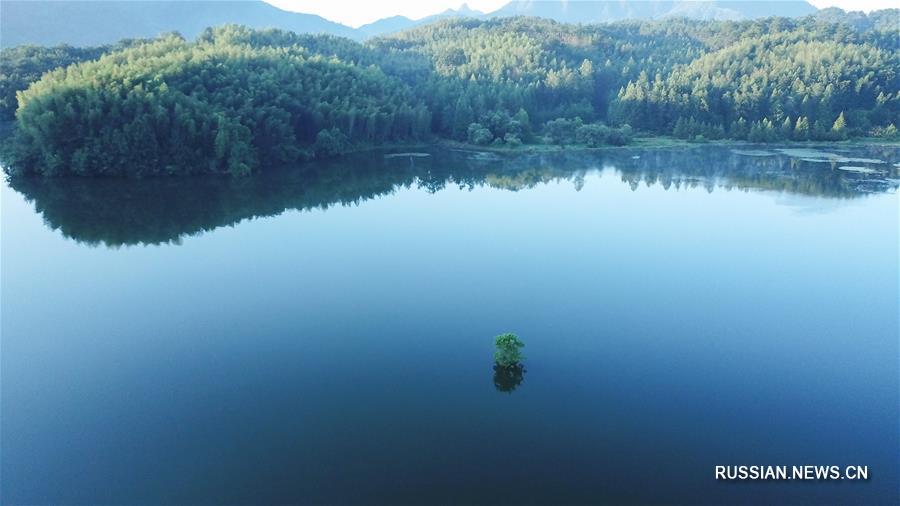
(325,335)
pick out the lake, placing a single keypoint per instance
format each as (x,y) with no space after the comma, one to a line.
(325,334)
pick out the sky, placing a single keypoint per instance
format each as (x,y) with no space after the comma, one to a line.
(359,12)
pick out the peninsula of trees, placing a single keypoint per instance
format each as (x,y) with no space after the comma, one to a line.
(239,100)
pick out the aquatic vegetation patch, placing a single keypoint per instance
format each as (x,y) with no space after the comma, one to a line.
(858,169)
(816,156)
(753,152)
(408,155)
(484,156)
(808,154)
(845,159)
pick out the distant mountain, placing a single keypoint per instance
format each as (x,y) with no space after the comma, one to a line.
(89,23)
(605,11)
(387,25)
(399,23)
(586,11)
(566,11)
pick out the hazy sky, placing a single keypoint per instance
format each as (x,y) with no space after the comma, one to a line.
(359,12)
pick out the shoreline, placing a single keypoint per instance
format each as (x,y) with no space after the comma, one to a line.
(637,143)
(424,148)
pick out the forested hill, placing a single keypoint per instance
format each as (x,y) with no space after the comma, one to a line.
(240,100)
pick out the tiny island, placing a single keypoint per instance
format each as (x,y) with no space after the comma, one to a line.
(509,371)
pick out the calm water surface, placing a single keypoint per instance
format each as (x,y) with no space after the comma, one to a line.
(325,335)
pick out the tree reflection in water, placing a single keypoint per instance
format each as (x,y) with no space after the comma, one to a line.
(117,212)
(508,378)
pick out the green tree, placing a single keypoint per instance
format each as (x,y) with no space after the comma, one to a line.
(479,135)
(236,99)
(508,350)
(801,129)
(330,142)
(839,128)
(787,128)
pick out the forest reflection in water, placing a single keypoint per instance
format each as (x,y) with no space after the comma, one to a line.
(353,348)
(116,212)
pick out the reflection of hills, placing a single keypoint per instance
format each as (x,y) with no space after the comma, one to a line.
(159,210)
(121,212)
(722,167)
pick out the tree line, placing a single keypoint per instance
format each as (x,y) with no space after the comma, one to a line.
(237,100)
(214,105)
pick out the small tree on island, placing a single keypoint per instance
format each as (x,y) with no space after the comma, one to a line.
(508,369)
(508,352)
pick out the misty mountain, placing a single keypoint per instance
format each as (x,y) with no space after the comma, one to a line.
(400,23)
(91,23)
(606,11)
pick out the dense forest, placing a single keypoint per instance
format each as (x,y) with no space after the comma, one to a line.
(20,66)
(238,100)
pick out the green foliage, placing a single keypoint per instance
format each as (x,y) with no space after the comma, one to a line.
(801,129)
(233,101)
(812,72)
(238,100)
(508,350)
(739,129)
(787,128)
(593,134)
(479,135)
(20,66)
(598,134)
(839,127)
(330,142)
(562,130)
(889,132)
(690,128)
(763,131)
(512,140)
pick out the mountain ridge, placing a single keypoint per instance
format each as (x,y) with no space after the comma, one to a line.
(91,23)
(87,23)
